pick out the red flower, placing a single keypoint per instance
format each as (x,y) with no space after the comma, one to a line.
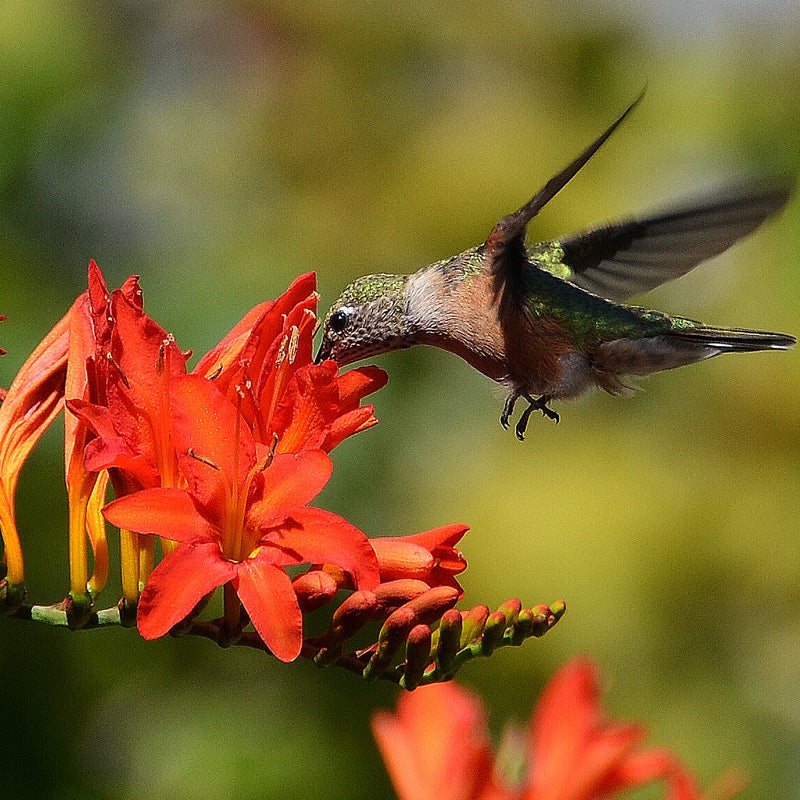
(577,754)
(265,362)
(435,747)
(126,401)
(32,402)
(428,556)
(242,519)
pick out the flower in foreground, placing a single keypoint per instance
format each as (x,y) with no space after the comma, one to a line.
(436,747)
(243,517)
(222,464)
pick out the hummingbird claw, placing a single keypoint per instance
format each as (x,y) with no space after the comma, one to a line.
(534,404)
(508,409)
(522,423)
(548,412)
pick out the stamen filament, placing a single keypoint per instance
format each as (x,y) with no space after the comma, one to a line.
(129,561)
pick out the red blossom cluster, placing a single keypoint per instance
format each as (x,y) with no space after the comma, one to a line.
(436,747)
(221,462)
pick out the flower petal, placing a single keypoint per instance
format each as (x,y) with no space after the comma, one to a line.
(214,445)
(32,402)
(34,398)
(110,448)
(292,480)
(355,384)
(146,360)
(170,513)
(312,535)
(227,352)
(436,746)
(178,584)
(571,747)
(444,536)
(267,594)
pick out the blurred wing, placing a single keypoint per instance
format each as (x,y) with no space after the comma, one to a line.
(504,249)
(631,257)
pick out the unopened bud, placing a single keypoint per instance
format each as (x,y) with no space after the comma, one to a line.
(314,589)
(351,616)
(448,640)
(523,628)
(511,609)
(398,559)
(418,651)
(393,594)
(473,624)
(493,633)
(429,606)
(390,639)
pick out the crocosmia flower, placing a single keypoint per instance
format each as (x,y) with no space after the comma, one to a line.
(243,517)
(429,556)
(32,402)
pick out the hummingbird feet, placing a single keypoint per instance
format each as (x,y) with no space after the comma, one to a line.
(534,404)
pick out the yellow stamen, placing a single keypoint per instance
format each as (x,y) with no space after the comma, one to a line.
(96,528)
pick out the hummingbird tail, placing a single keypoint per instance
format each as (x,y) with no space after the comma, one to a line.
(736,340)
(617,359)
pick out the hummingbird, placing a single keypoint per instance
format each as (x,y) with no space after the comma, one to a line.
(547,321)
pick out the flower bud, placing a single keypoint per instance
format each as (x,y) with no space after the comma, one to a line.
(314,589)
(418,651)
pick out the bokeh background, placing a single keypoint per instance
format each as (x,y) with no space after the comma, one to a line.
(219,150)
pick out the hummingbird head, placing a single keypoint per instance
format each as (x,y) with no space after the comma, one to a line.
(368,318)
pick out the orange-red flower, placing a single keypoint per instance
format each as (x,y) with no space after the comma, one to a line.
(429,556)
(241,520)
(435,747)
(126,400)
(577,754)
(33,401)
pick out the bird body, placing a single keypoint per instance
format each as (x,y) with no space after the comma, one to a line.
(547,322)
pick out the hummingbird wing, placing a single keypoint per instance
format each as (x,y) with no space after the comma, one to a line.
(634,256)
(504,249)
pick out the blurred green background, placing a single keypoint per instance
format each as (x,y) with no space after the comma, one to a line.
(221,149)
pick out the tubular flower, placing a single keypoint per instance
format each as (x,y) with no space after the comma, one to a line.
(576,753)
(429,556)
(125,399)
(241,520)
(32,402)
(435,746)
(120,366)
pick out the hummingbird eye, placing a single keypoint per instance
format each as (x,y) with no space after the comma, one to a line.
(339,319)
